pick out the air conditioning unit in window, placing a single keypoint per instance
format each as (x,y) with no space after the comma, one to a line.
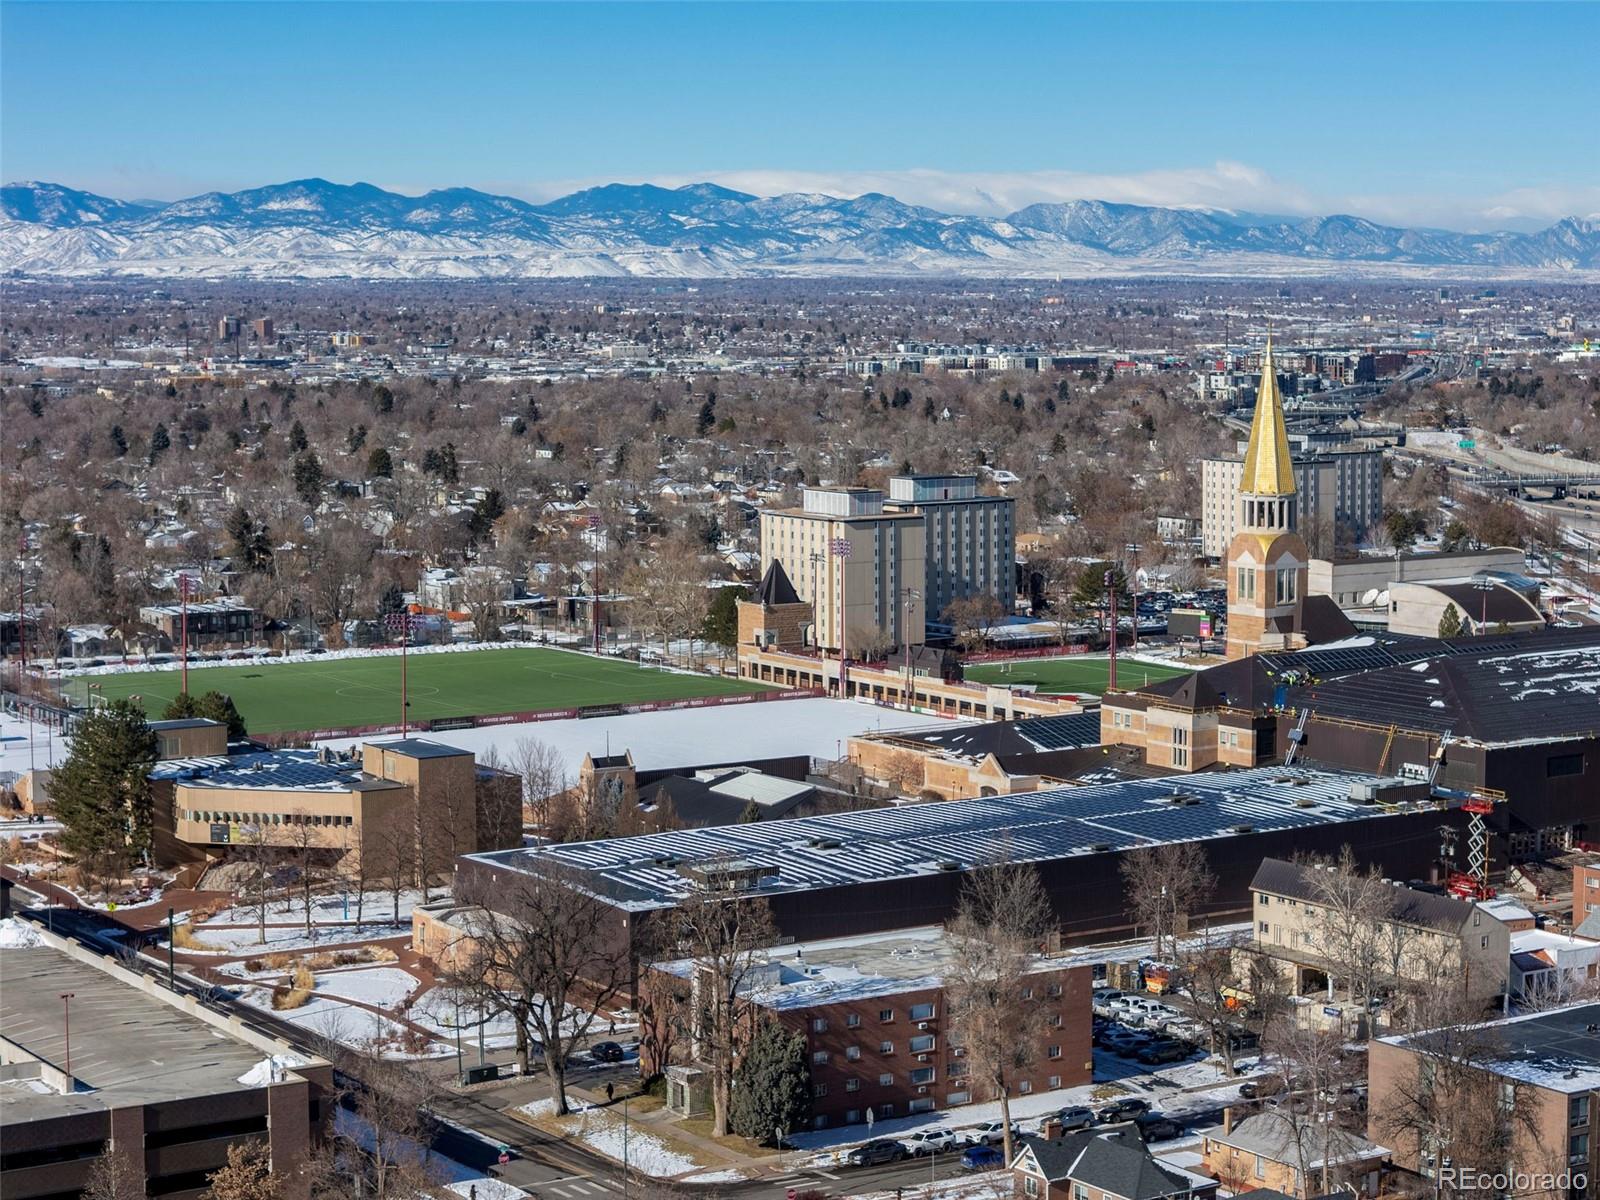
(922,1024)
(922,1058)
(922,1091)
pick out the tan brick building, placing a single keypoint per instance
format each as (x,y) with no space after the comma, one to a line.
(362,803)
(1546,1066)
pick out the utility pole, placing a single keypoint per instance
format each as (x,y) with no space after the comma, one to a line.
(171,970)
(183,627)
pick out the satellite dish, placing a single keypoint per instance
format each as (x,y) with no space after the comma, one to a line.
(1383,596)
(1370,596)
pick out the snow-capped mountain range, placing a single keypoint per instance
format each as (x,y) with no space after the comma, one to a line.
(313,228)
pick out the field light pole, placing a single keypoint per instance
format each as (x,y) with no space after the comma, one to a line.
(1111,587)
(905,627)
(840,548)
(183,629)
(1484,586)
(594,580)
(170,967)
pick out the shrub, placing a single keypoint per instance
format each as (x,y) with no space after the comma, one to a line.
(296,992)
(183,938)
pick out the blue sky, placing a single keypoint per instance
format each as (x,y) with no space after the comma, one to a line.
(1467,116)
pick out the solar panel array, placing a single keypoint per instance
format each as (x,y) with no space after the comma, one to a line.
(918,839)
(1069,732)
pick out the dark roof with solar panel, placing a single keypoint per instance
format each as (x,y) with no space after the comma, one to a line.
(1541,686)
(906,841)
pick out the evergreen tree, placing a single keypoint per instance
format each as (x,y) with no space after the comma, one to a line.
(307,476)
(379,464)
(750,814)
(119,441)
(489,509)
(708,415)
(102,790)
(1450,622)
(251,545)
(218,706)
(355,439)
(721,626)
(182,707)
(297,437)
(771,1084)
(392,601)
(160,442)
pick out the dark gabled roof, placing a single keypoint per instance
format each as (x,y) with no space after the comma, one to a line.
(697,805)
(1409,906)
(1114,1160)
(1540,685)
(1030,735)
(1243,683)
(1323,620)
(775,587)
(605,762)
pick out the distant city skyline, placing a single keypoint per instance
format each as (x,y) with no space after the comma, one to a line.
(1459,116)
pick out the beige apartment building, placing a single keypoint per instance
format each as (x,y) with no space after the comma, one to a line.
(858,564)
(363,803)
(1419,940)
(1334,487)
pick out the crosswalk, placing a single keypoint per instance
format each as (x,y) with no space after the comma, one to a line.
(574,1187)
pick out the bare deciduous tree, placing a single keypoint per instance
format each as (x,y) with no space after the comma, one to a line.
(725,937)
(1000,926)
(1165,885)
(549,953)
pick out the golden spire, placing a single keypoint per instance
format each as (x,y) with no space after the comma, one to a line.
(1267,469)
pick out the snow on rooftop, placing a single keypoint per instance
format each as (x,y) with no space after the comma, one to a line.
(690,736)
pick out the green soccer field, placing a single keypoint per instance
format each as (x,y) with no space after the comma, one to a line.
(1080,673)
(345,692)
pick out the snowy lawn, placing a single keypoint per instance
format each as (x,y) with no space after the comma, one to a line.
(436,1012)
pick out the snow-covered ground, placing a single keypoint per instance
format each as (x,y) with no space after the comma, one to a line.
(325,910)
(602,1131)
(332,1018)
(436,1012)
(25,745)
(17,934)
(691,736)
(244,939)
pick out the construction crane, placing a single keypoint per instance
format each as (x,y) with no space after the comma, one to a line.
(1297,737)
(1473,883)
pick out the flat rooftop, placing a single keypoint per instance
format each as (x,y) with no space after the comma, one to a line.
(272,770)
(838,970)
(1558,1050)
(839,849)
(128,1047)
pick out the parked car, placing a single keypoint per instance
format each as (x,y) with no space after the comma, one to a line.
(1078,1116)
(1128,1043)
(1164,1051)
(982,1158)
(1125,1109)
(874,1153)
(930,1141)
(1154,1127)
(608,1052)
(992,1134)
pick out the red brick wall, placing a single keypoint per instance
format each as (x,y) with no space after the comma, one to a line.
(1585,890)
(838,1105)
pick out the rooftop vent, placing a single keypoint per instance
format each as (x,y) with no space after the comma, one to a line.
(1242,829)
(948,864)
(1183,800)
(1304,802)
(1099,847)
(824,843)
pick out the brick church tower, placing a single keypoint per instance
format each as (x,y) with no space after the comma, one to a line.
(1267,557)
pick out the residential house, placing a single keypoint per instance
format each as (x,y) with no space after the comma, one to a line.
(1105,1163)
(1298,1155)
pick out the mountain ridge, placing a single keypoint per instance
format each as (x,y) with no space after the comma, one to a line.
(316,228)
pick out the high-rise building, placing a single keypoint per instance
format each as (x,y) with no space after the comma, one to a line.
(969,541)
(228,327)
(263,327)
(1340,487)
(1267,558)
(858,564)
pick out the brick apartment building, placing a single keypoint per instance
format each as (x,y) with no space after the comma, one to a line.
(878,1033)
(1546,1064)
